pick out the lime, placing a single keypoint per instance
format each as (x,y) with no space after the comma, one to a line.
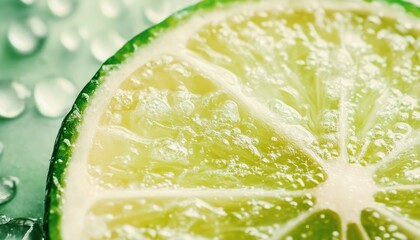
(248,120)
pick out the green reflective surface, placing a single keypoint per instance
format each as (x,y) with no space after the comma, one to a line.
(49,48)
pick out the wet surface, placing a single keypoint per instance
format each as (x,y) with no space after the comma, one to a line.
(49,49)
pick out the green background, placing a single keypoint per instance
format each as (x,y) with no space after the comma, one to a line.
(105,24)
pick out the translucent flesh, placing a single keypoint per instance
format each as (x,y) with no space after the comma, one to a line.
(209,157)
(222,217)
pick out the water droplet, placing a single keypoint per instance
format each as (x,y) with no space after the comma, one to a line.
(4,219)
(7,189)
(27,36)
(70,40)
(158,10)
(84,32)
(21,228)
(12,99)
(103,47)
(27,2)
(62,8)
(54,97)
(1,148)
(111,8)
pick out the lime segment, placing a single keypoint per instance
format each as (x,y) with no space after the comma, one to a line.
(188,217)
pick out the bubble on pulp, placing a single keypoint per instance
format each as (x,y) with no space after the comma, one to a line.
(415,173)
(12,99)
(111,8)
(28,35)
(8,187)
(230,111)
(287,113)
(102,47)
(70,40)
(20,228)
(170,151)
(54,97)
(62,8)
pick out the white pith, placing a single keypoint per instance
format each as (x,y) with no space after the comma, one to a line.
(348,190)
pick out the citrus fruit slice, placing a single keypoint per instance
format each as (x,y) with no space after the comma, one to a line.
(248,120)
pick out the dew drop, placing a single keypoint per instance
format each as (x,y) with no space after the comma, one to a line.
(103,47)
(62,8)
(84,32)
(157,10)
(179,4)
(1,149)
(21,228)
(70,40)
(12,99)
(7,189)
(27,36)
(111,8)
(4,219)
(27,2)
(54,97)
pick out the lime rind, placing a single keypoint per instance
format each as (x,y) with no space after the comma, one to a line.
(69,129)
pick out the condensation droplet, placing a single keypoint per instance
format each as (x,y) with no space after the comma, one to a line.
(103,47)
(27,2)
(7,189)
(62,8)
(4,219)
(1,148)
(12,99)
(54,97)
(70,40)
(84,32)
(21,228)
(111,8)
(158,10)
(27,36)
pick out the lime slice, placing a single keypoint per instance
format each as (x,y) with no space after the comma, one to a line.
(248,120)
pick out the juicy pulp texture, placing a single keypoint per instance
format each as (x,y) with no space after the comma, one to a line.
(269,124)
